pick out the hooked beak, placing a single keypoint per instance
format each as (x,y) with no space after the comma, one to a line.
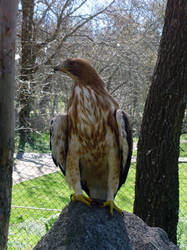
(61,67)
(65,68)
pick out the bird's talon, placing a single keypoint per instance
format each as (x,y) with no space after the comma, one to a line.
(82,198)
(112,206)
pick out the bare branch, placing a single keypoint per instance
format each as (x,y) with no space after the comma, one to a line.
(119,86)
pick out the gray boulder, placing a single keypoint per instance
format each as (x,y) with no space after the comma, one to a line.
(82,228)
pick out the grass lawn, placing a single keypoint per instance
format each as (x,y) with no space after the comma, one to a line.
(182,224)
(50,192)
(28,225)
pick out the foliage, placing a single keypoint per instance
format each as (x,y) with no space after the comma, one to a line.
(183,145)
(183,149)
(37,143)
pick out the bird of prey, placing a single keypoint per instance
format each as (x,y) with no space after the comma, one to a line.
(92,141)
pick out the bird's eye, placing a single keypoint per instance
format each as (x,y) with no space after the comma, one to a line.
(72,63)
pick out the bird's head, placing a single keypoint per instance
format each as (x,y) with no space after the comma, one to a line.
(80,71)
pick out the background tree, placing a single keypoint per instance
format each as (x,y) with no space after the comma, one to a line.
(46,26)
(120,40)
(8,11)
(157,184)
(28,58)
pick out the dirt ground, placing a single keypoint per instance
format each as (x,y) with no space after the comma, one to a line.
(30,165)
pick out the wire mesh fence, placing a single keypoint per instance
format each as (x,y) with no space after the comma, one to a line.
(40,193)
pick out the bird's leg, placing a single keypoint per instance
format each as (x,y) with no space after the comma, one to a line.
(73,179)
(113,182)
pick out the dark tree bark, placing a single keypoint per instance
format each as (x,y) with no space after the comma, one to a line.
(28,58)
(157,184)
(8,10)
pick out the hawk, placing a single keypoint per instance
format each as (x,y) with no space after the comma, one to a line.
(92,142)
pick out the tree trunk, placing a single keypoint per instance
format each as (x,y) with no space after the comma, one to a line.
(8,12)
(157,183)
(28,58)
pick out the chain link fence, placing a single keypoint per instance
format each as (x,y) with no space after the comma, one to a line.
(40,193)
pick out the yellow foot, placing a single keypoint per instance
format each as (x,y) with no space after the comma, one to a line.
(80,197)
(112,207)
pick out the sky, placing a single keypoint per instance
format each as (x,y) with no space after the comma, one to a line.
(87,8)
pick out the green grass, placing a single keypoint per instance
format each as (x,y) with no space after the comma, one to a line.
(48,191)
(183,145)
(182,225)
(183,149)
(28,225)
(51,192)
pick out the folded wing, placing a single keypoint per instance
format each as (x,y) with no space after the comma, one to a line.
(125,144)
(59,141)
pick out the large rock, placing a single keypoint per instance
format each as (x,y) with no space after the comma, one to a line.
(82,228)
